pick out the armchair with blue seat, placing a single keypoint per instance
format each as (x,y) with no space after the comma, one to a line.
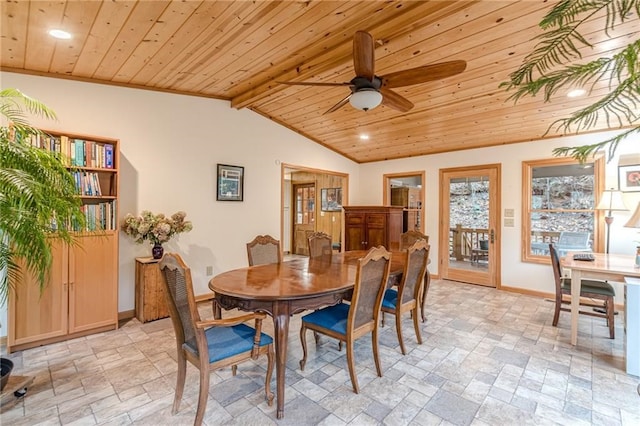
(209,344)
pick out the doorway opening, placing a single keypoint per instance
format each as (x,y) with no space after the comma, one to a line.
(303,210)
(406,190)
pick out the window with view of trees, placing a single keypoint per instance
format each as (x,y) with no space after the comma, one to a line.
(559,195)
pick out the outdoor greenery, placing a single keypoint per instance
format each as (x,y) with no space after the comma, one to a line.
(37,194)
(552,65)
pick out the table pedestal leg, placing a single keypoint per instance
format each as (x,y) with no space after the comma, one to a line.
(281,330)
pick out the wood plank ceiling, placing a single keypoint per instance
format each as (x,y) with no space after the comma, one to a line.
(239,51)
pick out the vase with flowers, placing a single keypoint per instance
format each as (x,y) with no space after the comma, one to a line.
(155,228)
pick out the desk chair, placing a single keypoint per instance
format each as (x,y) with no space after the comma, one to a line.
(348,322)
(210,344)
(405,299)
(598,290)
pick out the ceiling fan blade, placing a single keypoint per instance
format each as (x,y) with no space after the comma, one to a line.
(363,56)
(395,101)
(311,83)
(423,74)
(339,105)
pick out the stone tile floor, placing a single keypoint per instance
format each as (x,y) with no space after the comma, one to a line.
(488,358)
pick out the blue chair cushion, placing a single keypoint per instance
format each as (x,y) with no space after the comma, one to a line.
(590,286)
(390,299)
(332,318)
(225,342)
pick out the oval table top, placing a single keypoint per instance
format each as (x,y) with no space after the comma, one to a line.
(297,278)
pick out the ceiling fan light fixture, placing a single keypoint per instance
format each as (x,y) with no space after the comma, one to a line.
(365,99)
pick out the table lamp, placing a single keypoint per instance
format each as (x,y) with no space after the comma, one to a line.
(611,200)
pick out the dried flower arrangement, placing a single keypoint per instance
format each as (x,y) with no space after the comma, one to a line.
(155,228)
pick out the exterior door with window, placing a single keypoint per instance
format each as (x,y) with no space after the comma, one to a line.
(304,209)
(469,225)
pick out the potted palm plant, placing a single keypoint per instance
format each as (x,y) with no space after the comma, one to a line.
(36,191)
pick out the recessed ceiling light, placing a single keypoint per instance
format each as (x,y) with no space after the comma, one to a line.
(364,137)
(62,35)
(576,92)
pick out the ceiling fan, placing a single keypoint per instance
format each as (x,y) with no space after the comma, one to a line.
(369,90)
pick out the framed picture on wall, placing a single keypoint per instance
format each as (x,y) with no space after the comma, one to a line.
(331,199)
(230,185)
(629,178)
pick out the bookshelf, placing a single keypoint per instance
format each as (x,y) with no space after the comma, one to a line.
(81,296)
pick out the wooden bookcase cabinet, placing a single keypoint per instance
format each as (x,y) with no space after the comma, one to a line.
(372,226)
(151,302)
(81,296)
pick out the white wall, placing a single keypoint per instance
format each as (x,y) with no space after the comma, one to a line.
(515,273)
(169,147)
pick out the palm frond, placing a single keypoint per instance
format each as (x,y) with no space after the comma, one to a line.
(36,193)
(544,70)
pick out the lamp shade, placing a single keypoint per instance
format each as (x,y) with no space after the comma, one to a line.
(634,220)
(611,200)
(365,99)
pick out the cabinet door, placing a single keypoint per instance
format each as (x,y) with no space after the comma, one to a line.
(354,229)
(34,315)
(93,289)
(376,230)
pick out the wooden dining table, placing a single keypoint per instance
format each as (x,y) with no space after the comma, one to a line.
(290,287)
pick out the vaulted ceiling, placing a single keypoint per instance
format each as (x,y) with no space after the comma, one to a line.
(240,51)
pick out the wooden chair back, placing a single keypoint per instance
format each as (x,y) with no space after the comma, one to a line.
(181,302)
(319,245)
(371,282)
(264,249)
(414,271)
(410,237)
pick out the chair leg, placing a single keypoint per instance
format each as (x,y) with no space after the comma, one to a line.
(416,325)
(182,374)
(399,332)
(382,321)
(234,370)
(610,317)
(217,310)
(425,290)
(376,355)
(352,367)
(556,314)
(267,381)
(203,395)
(303,331)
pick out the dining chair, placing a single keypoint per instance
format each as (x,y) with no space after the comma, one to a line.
(596,293)
(348,322)
(319,245)
(405,298)
(264,249)
(406,240)
(209,344)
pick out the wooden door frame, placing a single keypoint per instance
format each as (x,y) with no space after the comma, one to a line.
(386,190)
(495,272)
(293,167)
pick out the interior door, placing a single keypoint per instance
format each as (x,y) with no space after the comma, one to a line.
(303,216)
(469,225)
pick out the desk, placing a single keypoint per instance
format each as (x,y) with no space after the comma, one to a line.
(612,267)
(284,289)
